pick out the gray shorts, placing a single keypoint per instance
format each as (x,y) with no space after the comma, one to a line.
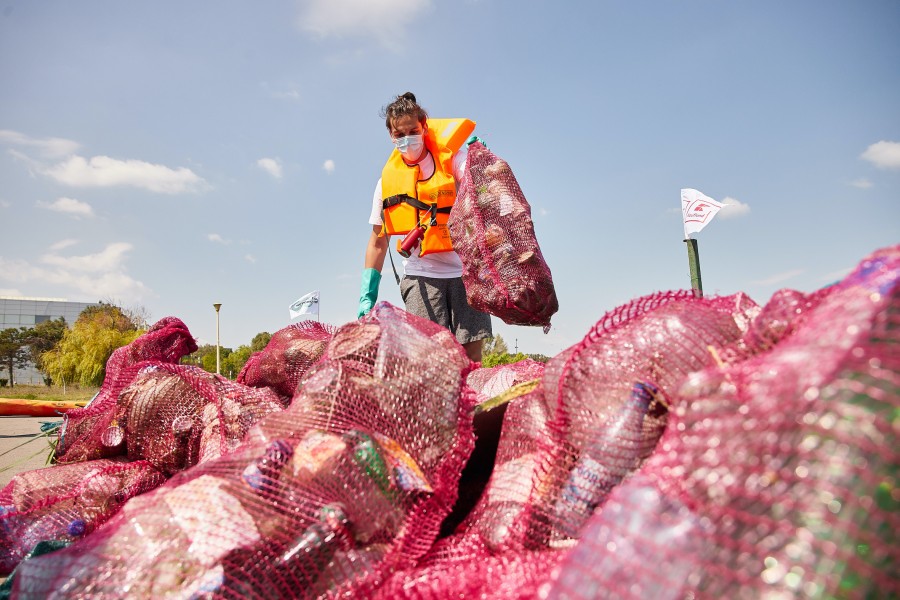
(444,302)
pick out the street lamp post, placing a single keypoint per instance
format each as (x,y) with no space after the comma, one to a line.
(217,306)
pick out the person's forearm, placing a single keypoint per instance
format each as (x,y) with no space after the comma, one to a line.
(375,252)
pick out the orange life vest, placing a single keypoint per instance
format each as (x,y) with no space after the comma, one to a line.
(408,202)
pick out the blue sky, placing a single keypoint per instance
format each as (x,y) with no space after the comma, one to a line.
(174,154)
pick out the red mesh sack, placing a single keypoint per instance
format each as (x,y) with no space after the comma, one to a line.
(777,476)
(287,356)
(565,446)
(166,341)
(328,497)
(608,397)
(175,416)
(504,272)
(66,502)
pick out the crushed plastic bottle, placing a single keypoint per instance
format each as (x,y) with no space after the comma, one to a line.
(616,451)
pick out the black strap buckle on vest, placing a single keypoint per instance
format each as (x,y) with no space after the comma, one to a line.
(415,203)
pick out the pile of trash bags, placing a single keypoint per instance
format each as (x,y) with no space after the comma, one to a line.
(685,447)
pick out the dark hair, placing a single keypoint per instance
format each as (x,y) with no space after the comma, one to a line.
(404,104)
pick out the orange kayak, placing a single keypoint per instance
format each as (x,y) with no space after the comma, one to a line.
(37,408)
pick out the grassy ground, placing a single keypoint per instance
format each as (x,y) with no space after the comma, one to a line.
(43,392)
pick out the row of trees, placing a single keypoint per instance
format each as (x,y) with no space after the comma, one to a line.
(231,361)
(79,354)
(496,352)
(76,355)
(19,347)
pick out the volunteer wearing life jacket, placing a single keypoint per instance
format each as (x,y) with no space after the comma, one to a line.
(416,190)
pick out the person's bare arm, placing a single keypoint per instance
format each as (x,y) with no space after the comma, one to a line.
(376,249)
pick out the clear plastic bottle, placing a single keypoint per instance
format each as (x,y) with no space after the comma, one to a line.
(616,451)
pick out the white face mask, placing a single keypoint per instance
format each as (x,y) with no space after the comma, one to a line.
(410,146)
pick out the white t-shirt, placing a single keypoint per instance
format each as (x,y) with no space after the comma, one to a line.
(442,265)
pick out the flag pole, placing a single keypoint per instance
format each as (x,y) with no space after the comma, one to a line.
(694,264)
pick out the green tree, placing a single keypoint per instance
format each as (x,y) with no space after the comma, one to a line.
(494,359)
(494,345)
(42,338)
(81,355)
(538,357)
(232,365)
(208,359)
(260,340)
(196,357)
(13,351)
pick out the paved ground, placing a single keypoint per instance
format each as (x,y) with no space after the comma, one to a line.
(20,431)
(17,447)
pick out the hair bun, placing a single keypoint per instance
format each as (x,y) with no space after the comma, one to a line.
(409,96)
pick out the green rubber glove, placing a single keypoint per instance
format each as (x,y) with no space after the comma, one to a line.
(474,139)
(368,292)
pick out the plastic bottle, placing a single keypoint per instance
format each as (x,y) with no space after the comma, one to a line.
(289,571)
(616,451)
(263,474)
(367,456)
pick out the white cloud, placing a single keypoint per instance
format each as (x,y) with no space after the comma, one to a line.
(328,165)
(884,155)
(10,291)
(70,206)
(272,166)
(288,92)
(733,208)
(861,183)
(108,259)
(215,237)
(100,275)
(61,244)
(384,20)
(47,147)
(778,277)
(5,204)
(103,171)
(250,258)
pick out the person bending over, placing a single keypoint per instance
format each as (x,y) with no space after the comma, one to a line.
(416,190)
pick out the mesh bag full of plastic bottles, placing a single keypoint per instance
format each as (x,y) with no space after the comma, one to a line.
(289,354)
(777,476)
(504,272)
(596,415)
(166,341)
(327,497)
(66,502)
(166,419)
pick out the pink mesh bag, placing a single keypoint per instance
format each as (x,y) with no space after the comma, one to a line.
(175,416)
(328,497)
(504,272)
(287,356)
(166,341)
(608,398)
(66,502)
(777,475)
(595,417)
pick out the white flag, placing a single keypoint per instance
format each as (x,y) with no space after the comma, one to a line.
(306,305)
(697,210)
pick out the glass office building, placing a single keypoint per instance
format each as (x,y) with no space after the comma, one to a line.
(27,312)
